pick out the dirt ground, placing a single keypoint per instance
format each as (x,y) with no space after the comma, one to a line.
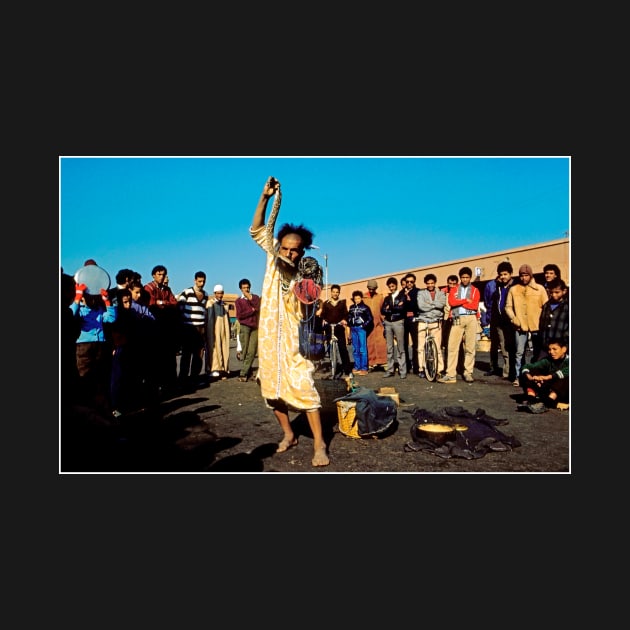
(226,428)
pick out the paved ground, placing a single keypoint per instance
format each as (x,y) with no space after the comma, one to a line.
(226,428)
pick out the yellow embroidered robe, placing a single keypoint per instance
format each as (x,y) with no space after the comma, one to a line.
(284,374)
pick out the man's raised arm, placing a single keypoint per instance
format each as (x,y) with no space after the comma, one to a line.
(271,187)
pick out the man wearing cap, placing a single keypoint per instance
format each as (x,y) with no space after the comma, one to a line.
(218,335)
(376,343)
(523,306)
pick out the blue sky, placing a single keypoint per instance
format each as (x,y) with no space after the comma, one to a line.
(371,216)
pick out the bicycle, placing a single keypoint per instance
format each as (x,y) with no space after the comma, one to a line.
(430,351)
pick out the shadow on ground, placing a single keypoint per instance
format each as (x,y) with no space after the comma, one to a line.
(148,441)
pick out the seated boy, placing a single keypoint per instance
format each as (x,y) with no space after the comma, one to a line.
(546,382)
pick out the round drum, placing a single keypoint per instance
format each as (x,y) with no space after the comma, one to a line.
(94,277)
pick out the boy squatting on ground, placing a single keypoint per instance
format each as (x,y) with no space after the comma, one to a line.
(546,382)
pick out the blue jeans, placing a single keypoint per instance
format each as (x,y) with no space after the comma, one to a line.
(359,347)
(521,348)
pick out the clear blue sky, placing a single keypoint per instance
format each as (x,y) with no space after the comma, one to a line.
(371,216)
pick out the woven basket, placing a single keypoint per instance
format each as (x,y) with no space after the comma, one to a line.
(346,413)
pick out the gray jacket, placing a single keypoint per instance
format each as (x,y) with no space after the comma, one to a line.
(431,310)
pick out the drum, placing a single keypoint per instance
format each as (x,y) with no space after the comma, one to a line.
(94,277)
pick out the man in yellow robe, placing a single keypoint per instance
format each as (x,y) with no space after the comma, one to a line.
(285,376)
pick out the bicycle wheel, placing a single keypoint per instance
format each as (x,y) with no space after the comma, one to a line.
(430,359)
(335,359)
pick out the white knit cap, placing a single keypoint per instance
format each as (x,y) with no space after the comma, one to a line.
(218,287)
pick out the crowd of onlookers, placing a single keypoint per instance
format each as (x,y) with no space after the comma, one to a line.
(518,315)
(119,347)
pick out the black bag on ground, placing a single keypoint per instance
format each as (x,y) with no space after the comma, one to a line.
(375,415)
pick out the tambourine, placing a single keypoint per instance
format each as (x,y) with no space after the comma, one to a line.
(94,277)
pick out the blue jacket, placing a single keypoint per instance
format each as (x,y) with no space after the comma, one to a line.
(92,320)
(498,316)
(488,298)
(394,309)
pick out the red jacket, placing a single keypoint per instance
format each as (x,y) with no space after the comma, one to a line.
(472,303)
(160,296)
(247,311)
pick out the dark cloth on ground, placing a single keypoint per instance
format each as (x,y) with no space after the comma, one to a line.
(481,437)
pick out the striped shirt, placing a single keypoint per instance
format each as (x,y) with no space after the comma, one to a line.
(193,310)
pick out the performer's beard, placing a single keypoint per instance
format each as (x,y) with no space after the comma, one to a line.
(286,266)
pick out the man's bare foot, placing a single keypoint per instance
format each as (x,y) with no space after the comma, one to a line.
(320,458)
(286,444)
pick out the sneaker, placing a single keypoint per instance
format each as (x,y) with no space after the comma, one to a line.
(447,379)
(388,375)
(403,376)
(215,374)
(422,374)
(468,378)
